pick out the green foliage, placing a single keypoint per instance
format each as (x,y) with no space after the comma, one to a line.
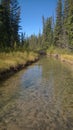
(9,23)
(63,31)
(51,50)
(59,34)
(56,50)
(58,25)
(70,23)
(47,32)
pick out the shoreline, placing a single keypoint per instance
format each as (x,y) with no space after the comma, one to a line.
(66,59)
(12,70)
(12,62)
(63,57)
(6,73)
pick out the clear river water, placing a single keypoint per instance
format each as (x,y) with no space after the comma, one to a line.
(39,97)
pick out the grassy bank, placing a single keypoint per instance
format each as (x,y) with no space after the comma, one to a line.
(15,60)
(64,54)
(67,58)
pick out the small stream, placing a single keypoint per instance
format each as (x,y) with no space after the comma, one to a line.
(38,98)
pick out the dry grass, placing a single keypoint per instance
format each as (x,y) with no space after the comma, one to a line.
(55,50)
(64,54)
(68,58)
(14,59)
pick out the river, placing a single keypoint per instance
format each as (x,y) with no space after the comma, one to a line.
(38,98)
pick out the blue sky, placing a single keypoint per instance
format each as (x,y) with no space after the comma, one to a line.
(32,12)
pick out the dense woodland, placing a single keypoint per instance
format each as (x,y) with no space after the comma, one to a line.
(56,31)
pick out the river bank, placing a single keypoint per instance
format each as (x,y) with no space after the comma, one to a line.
(63,54)
(63,57)
(67,58)
(38,98)
(12,62)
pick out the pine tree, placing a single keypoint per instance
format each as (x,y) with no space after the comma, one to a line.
(9,22)
(48,32)
(22,39)
(14,21)
(58,24)
(70,24)
(4,18)
(65,26)
(43,34)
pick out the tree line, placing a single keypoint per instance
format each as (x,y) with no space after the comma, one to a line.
(9,23)
(63,30)
(57,32)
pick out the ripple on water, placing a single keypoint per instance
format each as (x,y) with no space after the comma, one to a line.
(38,98)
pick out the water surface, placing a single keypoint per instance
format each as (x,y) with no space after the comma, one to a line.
(38,98)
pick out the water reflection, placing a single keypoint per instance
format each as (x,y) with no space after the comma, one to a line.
(39,98)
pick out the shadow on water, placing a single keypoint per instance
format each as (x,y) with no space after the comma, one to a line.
(38,98)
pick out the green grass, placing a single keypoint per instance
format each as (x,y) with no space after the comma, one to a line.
(13,59)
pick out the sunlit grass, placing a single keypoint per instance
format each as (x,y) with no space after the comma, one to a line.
(64,54)
(14,59)
(67,57)
(54,50)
